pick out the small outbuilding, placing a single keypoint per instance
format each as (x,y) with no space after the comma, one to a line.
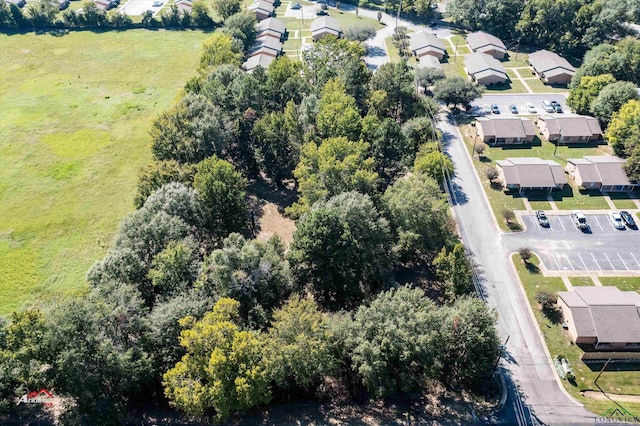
(482,42)
(271,27)
(505,130)
(429,61)
(569,129)
(261,9)
(485,69)
(604,172)
(551,67)
(423,43)
(531,174)
(602,316)
(325,25)
(258,61)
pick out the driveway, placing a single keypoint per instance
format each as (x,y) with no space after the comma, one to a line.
(519,100)
(534,395)
(563,247)
(138,7)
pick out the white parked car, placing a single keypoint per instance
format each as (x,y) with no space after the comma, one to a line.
(531,108)
(616,220)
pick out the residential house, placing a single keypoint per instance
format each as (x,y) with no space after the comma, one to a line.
(271,27)
(482,42)
(505,130)
(261,9)
(531,174)
(422,43)
(184,5)
(103,4)
(600,172)
(258,61)
(429,61)
(602,316)
(551,67)
(266,46)
(485,69)
(565,128)
(325,25)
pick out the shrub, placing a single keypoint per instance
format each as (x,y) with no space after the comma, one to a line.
(492,173)
(525,254)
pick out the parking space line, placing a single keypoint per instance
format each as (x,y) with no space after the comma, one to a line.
(634,258)
(612,267)
(596,262)
(598,222)
(583,264)
(622,260)
(561,224)
(556,260)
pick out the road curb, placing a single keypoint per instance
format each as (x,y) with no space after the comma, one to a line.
(539,332)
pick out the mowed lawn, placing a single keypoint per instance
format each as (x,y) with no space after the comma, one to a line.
(75,111)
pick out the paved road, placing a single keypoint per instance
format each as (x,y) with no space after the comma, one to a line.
(534,393)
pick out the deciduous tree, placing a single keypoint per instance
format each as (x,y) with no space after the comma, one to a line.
(456,91)
(584,93)
(611,99)
(341,250)
(623,132)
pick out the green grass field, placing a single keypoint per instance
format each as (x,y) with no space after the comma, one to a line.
(581,281)
(559,343)
(623,283)
(76,111)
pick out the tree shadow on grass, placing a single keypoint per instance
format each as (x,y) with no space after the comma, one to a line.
(532,268)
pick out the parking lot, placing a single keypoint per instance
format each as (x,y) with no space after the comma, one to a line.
(563,247)
(520,101)
(138,7)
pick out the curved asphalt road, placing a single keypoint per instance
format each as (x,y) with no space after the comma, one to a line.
(534,395)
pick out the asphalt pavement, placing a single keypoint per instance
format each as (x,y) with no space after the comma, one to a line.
(534,394)
(520,100)
(563,247)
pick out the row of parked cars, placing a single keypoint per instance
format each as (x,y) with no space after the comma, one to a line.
(547,106)
(617,219)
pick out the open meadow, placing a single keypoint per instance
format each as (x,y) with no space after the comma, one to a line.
(75,113)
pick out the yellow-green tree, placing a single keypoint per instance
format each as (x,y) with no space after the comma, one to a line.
(623,132)
(223,368)
(338,112)
(334,167)
(219,50)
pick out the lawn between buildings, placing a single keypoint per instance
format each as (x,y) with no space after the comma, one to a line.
(571,198)
(76,114)
(559,342)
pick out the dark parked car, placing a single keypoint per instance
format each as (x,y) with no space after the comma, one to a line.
(628,219)
(542,218)
(296,6)
(556,106)
(513,109)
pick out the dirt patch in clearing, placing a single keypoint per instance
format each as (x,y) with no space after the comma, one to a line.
(266,205)
(615,397)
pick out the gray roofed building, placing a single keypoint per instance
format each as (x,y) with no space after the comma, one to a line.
(551,67)
(422,43)
(505,130)
(271,27)
(603,316)
(482,42)
(262,9)
(258,61)
(485,69)
(531,173)
(266,46)
(429,61)
(600,172)
(570,128)
(325,25)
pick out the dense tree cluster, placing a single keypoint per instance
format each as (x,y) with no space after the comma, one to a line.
(187,308)
(569,27)
(43,14)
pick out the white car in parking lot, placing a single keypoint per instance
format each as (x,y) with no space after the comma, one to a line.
(616,220)
(531,108)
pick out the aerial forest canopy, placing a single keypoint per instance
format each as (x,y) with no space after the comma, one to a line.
(188,308)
